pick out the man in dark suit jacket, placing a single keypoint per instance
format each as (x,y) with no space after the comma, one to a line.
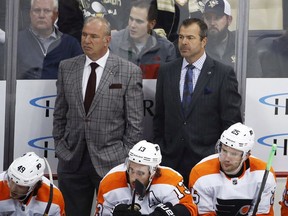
(188,135)
(91,141)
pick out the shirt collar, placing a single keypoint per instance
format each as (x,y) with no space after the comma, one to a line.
(52,35)
(101,61)
(198,64)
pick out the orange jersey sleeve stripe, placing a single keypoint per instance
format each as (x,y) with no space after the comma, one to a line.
(204,168)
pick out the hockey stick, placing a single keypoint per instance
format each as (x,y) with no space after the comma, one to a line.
(140,189)
(265,176)
(51,189)
(133,200)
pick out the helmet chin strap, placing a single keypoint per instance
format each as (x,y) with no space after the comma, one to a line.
(31,188)
(150,179)
(239,167)
(28,193)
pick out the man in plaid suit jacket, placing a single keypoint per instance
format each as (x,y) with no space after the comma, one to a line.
(89,144)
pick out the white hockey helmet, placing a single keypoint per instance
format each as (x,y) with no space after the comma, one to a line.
(146,153)
(238,136)
(27,170)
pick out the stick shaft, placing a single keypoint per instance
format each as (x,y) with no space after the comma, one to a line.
(264,179)
(133,200)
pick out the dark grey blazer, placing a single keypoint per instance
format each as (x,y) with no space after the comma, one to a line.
(215,106)
(114,121)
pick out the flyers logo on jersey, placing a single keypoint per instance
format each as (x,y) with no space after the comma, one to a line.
(237,207)
(244,210)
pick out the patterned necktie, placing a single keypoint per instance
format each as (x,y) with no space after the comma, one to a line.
(188,88)
(91,86)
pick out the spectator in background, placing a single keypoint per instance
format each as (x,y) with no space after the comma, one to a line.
(221,41)
(284,202)
(70,19)
(92,139)
(228,183)
(24,190)
(41,47)
(162,192)
(73,12)
(114,11)
(171,13)
(193,106)
(138,42)
(274,61)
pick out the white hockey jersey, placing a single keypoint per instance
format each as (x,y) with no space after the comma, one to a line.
(169,187)
(284,202)
(217,194)
(35,206)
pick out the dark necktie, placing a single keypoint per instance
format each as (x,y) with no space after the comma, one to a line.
(91,86)
(188,88)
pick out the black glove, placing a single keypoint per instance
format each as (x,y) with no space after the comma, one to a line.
(163,210)
(125,210)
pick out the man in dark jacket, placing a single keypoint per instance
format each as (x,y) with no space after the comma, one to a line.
(197,98)
(221,42)
(138,42)
(41,47)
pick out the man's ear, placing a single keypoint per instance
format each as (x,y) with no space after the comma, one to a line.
(151,25)
(107,39)
(204,42)
(229,18)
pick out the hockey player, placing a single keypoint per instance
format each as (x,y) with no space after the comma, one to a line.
(284,203)
(163,191)
(227,184)
(24,191)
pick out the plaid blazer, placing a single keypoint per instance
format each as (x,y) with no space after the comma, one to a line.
(114,122)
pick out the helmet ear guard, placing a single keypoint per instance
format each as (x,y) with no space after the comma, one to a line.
(218,146)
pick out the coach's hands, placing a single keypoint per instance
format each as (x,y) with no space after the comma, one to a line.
(125,210)
(163,210)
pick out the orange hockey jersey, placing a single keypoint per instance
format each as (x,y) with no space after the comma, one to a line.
(36,204)
(169,187)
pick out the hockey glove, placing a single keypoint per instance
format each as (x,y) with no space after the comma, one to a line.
(125,210)
(163,210)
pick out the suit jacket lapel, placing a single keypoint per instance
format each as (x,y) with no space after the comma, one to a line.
(203,79)
(175,80)
(79,67)
(106,79)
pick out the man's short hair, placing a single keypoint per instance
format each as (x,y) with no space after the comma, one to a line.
(202,25)
(151,7)
(55,4)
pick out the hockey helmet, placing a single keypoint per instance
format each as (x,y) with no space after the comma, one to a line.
(238,136)
(145,153)
(26,170)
